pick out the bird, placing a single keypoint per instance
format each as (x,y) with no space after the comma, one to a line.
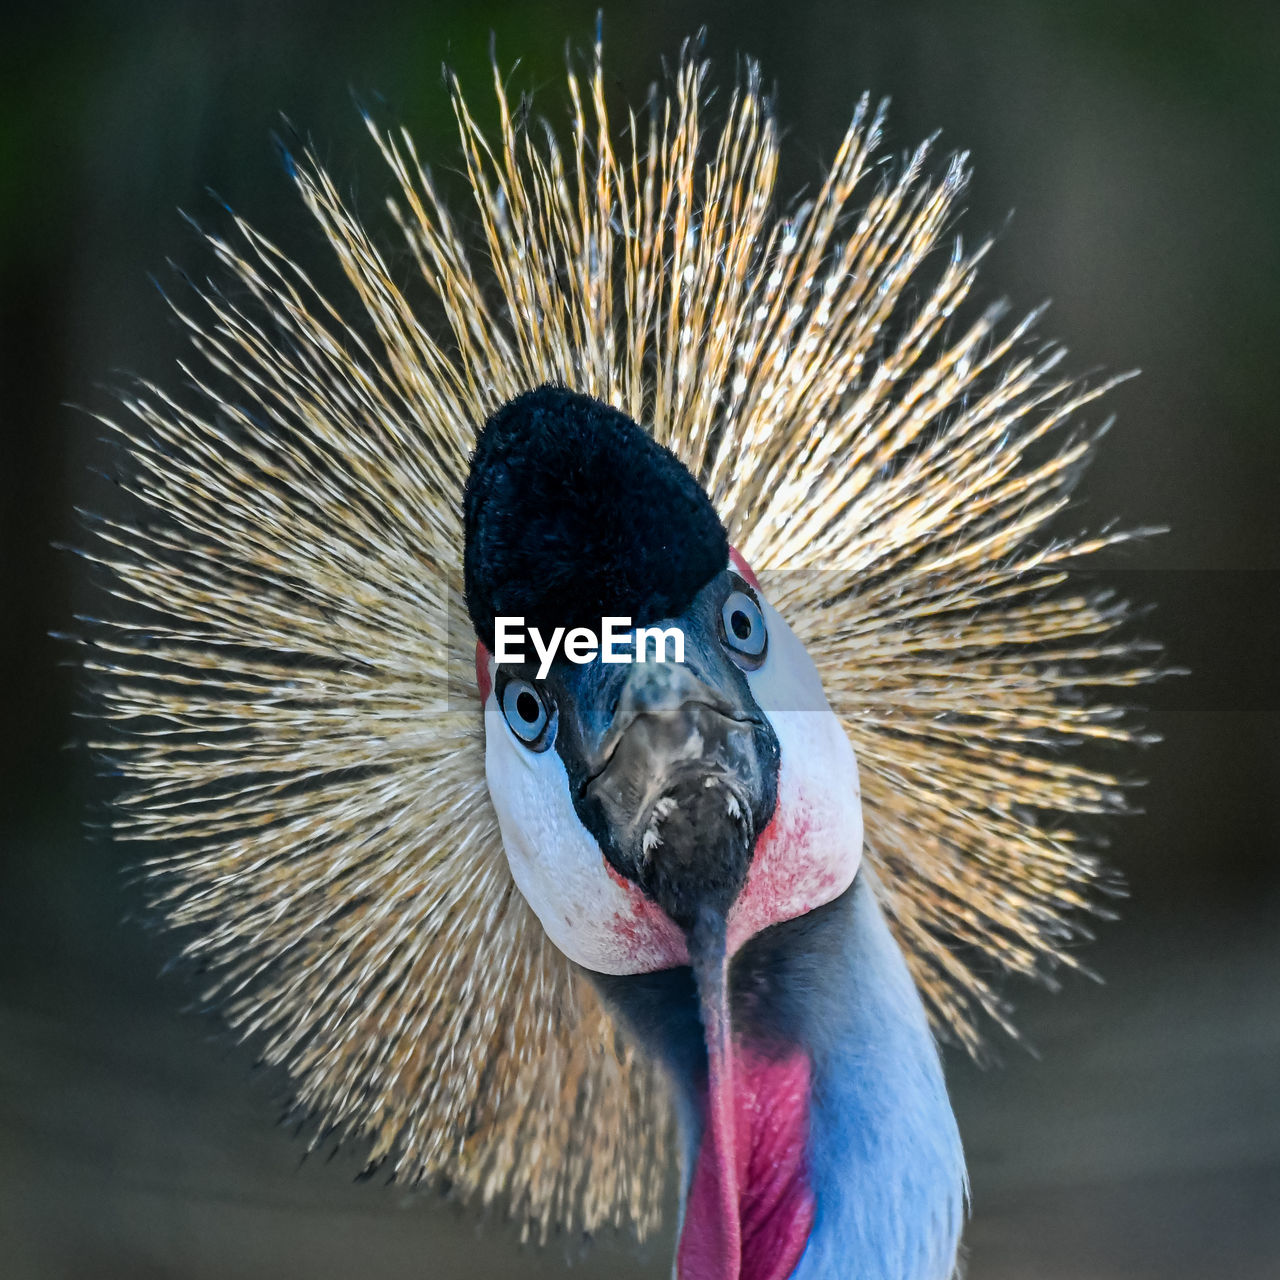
(528,906)
(690,832)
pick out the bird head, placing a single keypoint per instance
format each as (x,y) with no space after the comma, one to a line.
(658,809)
(685,786)
(277,667)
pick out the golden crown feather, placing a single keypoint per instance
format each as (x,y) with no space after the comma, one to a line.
(291,701)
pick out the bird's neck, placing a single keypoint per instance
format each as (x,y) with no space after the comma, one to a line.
(884,1151)
(831,1042)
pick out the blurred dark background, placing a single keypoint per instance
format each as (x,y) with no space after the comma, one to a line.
(1137,145)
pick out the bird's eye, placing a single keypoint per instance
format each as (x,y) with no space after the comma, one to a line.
(527,712)
(743,630)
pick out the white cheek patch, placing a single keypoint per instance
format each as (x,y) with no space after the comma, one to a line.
(810,851)
(807,855)
(597,918)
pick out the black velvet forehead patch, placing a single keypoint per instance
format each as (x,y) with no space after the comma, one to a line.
(573,513)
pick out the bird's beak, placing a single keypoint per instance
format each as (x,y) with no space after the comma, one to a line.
(685,779)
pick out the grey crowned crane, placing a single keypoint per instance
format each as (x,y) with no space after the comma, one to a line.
(689,833)
(516,911)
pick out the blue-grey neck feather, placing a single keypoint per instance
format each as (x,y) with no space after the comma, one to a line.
(885,1155)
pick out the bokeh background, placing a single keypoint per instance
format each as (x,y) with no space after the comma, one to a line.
(1127,156)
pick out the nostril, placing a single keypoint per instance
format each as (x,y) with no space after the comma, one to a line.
(656,687)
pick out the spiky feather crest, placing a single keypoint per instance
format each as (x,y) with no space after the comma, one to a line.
(289,690)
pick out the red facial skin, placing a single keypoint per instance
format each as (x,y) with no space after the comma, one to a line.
(785,880)
(644,920)
(482,672)
(743,568)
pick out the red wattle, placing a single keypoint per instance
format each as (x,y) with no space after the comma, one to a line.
(750,1207)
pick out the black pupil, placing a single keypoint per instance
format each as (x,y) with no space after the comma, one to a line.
(741,624)
(527,707)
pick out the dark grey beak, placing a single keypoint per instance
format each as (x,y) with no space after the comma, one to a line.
(679,780)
